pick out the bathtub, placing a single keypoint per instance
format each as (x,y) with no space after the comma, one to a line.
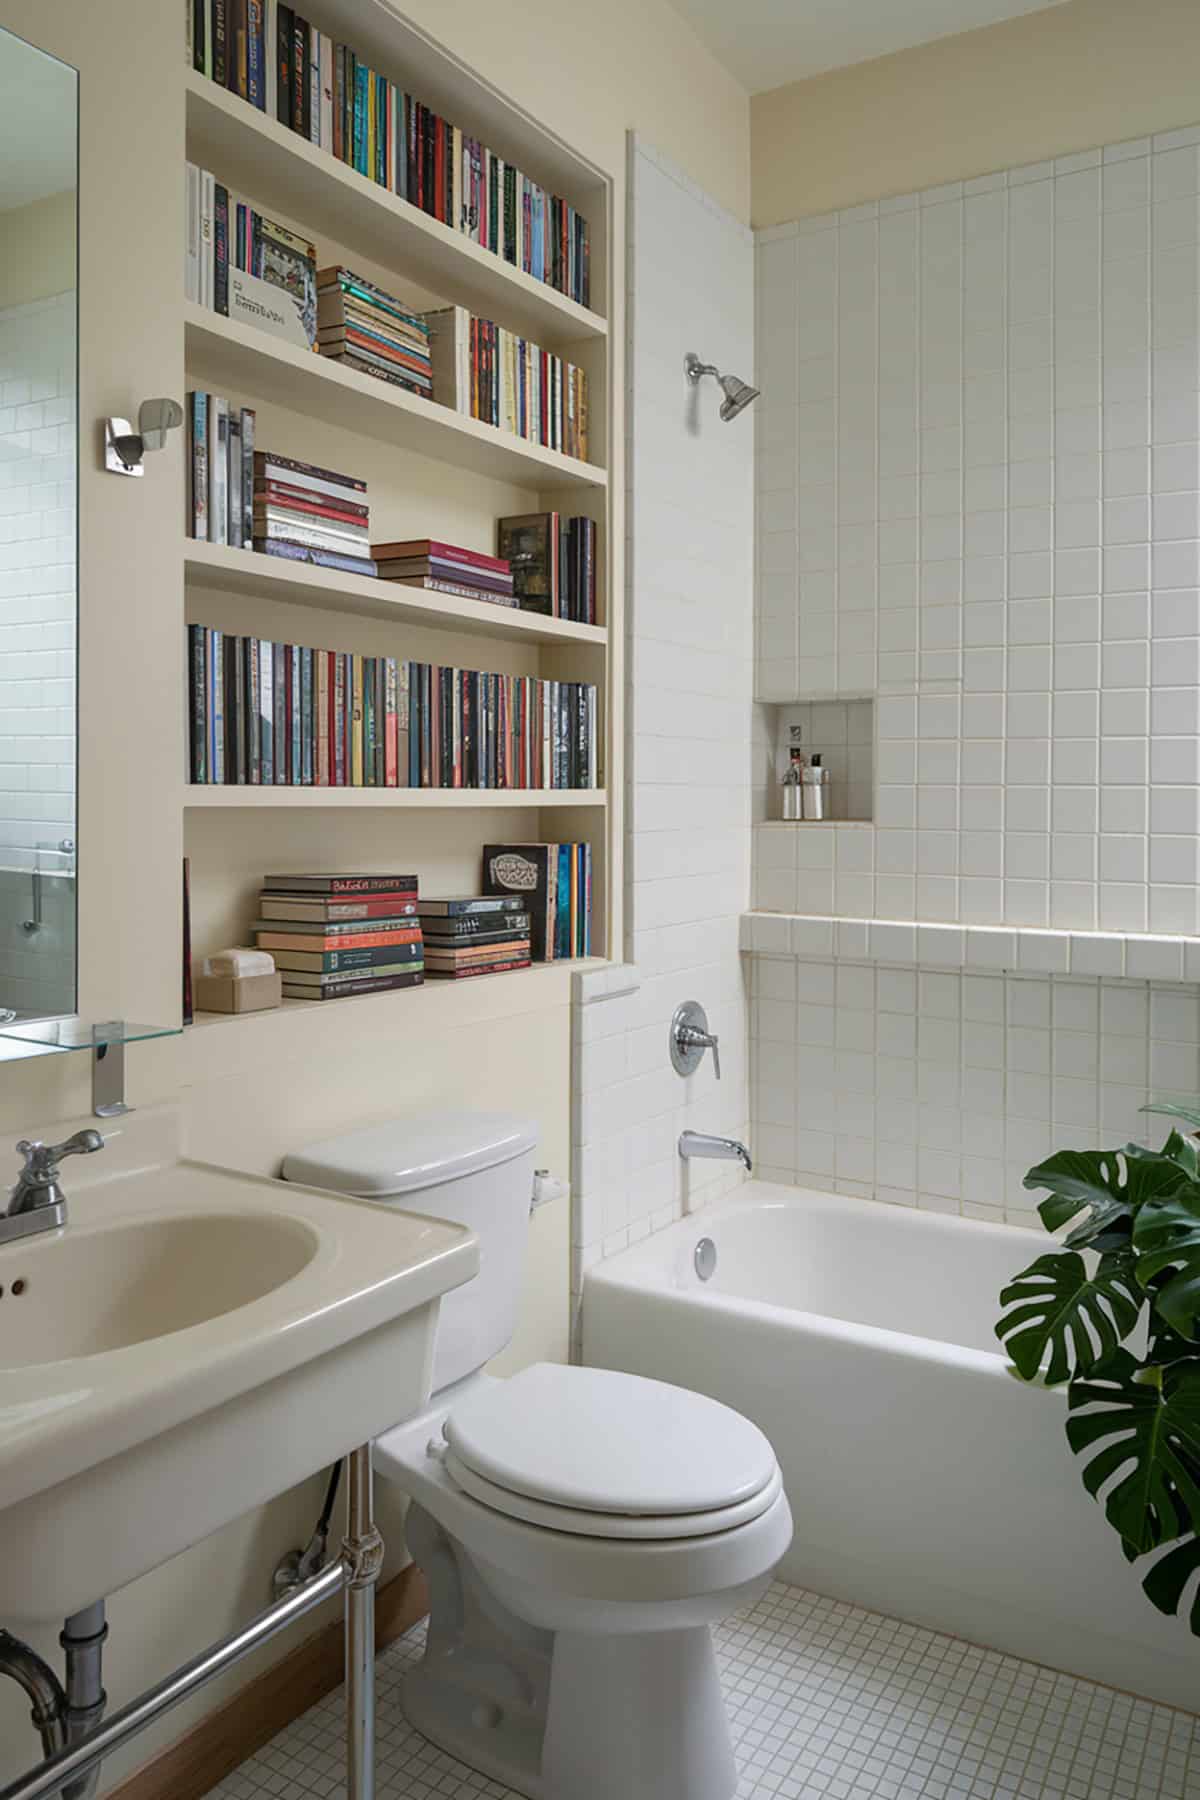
(924,1480)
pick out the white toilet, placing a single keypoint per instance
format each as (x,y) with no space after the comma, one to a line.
(580,1529)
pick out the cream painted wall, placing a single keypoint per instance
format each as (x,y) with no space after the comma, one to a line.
(1091,72)
(590,75)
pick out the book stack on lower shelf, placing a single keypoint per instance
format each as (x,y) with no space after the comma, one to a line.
(474,935)
(446,569)
(310,514)
(333,936)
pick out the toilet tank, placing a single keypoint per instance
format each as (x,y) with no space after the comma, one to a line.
(473,1168)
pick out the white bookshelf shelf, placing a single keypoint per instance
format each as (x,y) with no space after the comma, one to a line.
(486,989)
(256,363)
(281,170)
(199,796)
(273,578)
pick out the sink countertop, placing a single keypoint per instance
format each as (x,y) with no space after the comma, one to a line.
(369,1264)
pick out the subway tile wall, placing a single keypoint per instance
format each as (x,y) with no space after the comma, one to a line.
(979,500)
(689,668)
(940,1089)
(37,578)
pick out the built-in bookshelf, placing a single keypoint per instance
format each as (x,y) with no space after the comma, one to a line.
(419,799)
(431,470)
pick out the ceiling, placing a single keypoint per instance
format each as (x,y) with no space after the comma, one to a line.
(767,43)
(37,123)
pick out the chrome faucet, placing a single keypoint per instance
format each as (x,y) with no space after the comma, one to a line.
(721,1149)
(37,1202)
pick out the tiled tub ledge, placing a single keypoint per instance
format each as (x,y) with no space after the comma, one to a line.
(1020,949)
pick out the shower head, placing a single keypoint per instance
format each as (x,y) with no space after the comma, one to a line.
(738,393)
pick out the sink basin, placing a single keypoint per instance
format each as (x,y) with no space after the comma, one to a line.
(193,1343)
(99,1288)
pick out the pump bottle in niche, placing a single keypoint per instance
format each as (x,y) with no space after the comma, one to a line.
(814,790)
(791,787)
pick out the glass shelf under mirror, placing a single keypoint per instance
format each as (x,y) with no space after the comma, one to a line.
(106,1039)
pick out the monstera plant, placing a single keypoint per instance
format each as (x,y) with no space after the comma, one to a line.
(1114,1313)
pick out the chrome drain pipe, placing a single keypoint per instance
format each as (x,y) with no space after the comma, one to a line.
(74,1763)
(82,1639)
(41,1684)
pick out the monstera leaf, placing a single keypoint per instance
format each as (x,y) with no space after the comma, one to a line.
(1166,1242)
(1168,1108)
(1109,1186)
(1168,1579)
(1139,1430)
(1080,1319)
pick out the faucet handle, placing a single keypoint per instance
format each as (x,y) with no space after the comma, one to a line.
(42,1160)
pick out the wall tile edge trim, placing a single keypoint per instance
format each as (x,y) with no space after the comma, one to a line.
(1011,949)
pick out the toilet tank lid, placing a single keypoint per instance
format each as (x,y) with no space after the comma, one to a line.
(406,1155)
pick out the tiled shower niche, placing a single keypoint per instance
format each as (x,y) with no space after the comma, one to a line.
(842,733)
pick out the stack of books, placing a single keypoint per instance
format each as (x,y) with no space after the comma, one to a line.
(366,328)
(553,562)
(309,514)
(446,569)
(553,882)
(273,57)
(487,372)
(476,935)
(221,467)
(268,713)
(337,935)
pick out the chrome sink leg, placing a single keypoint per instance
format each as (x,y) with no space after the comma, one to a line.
(362,1557)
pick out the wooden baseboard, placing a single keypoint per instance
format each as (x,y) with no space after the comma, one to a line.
(190,1767)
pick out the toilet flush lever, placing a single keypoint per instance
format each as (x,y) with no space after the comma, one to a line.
(690,1038)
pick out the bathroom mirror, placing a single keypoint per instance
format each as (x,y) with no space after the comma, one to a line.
(39,107)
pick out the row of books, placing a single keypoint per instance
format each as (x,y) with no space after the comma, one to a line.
(273,57)
(553,562)
(284,715)
(366,328)
(490,373)
(256,272)
(253,499)
(248,267)
(221,470)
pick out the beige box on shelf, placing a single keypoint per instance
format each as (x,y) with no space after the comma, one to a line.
(238,994)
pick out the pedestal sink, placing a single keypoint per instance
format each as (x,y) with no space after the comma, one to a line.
(191,1344)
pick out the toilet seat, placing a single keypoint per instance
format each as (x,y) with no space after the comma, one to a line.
(641,1526)
(563,1446)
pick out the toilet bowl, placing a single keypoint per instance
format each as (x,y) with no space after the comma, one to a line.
(580,1529)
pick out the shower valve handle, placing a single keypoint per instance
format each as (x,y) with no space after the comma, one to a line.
(690,1038)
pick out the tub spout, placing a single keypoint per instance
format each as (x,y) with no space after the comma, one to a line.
(722,1149)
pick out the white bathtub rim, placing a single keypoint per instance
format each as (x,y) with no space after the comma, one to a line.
(645,1266)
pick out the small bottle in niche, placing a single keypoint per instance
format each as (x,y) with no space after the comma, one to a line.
(814,790)
(791,785)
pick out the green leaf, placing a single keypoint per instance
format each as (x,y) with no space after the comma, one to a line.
(1184,1152)
(1166,1581)
(1171,1111)
(1142,1442)
(1055,1301)
(1106,1185)
(1166,1241)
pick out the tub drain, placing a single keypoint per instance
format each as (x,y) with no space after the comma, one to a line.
(704,1258)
